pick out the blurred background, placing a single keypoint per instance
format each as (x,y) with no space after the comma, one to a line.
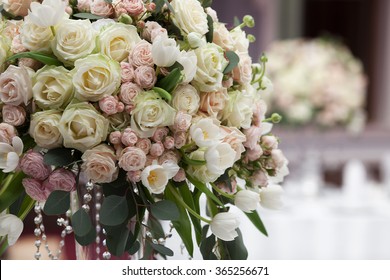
(337,196)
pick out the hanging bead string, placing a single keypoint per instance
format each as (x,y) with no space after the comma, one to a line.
(40,234)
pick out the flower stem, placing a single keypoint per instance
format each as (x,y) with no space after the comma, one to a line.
(4,245)
(7,182)
(182,203)
(221,192)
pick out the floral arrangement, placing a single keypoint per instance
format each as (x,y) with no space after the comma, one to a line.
(154,103)
(317,81)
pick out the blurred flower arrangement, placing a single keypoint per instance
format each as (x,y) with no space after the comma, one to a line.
(155,103)
(317,81)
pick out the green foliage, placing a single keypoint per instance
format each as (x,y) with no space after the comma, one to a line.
(162,249)
(117,239)
(165,210)
(87,16)
(206,3)
(210,33)
(207,245)
(257,222)
(234,59)
(114,210)
(88,238)
(61,157)
(170,82)
(57,203)
(203,188)
(235,250)
(9,194)
(81,223)
(44,58)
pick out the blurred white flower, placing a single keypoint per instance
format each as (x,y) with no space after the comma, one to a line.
(246,200)
(271,197)
(224,226)
(49,13)
(10,226)
(9,154)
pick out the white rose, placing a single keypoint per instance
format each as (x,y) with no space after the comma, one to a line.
(165,51)
(188,60)
(196,40)
(205,133)
(82,127)
(117,40)
(74,39)
(241,42)
(96,76)
(53,87)
(35,37)
(219,158)
(155,177)
(189,16)
(211,63)
(15,86)
(49,13)
(222,36)
(44,129)
(224,226)
(239,111)
(151,112)
(246,200)
(186,98)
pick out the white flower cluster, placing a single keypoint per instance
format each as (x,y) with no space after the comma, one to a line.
(317,81)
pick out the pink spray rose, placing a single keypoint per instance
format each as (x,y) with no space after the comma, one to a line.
(145,77)
(7,132)
(157,149)
(32,165)
(129,92)
(60,179)
(35,189)
(110,105)
(134,7)
(160,134)
(142,54)
(144,144)
(132,159)
(127,72)
(129,137)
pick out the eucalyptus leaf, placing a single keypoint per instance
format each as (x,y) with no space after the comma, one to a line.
(257,222)
(207,245)
(234,59)
(114,210)
(81,223)
(87,239)
(159,5)
(236,249)
(169,6)
(165,210)
(134,248)
(57,203)
(210,33)
(203,188)
(117,240)
(87,16)
(162,249)
(59,157)
(45,59)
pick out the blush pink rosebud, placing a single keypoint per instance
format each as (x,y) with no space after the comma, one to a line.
(144,144)
(129,137)
(110,105)
(115,137)
(142,54)
(255,153)
(102,8)
(60,179)
(252,136)
(269,142)
(182,121)
(169,155)
(84,6)
(158,32)
(134,176)
(132,159)
(180,176)
(150,160)
(14,115)
(169,142)
(32,165)
(180,139)
(145,77)
(259,178)
(134,7)
(129,92)
(151,7)
(157,149)
(35,189)
(160,134)
(149,27)
(127,72)
(7,132)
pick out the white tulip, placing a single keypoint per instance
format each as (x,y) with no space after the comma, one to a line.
(271,197)
(165,51)
(224,226)
(49,13)
(205,133)
(246,200)
(11,226)
(219,157)
(188,60)
(155,177)
(9,154)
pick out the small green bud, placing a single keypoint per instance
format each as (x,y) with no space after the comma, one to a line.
(264,58)
(249,21)
(126,19)
(251,38)
(276,118)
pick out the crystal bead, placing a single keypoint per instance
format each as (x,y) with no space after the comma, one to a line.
(98,195)
(44,237)
(97,240)
(37,209)
(104,242)
(37,255)
(161,241)
(62,243)
(68,213)
(60,221)
(98,250)
(42,227)
(37,232)
(104,232)
(85,207)
(38,243)
(50,255)
(98,229)
(154,241)
(65,223)
(87,197)
(89,186)
(98,206)
(106,255)
(68,229)
(38,219)
(97,217)
(148,234)
(63,234)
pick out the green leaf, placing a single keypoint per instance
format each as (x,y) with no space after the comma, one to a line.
(207,245)
(206,3)
(114,210)
(203,188)
(210,33)
(190,161)
(57,203)
(108,1)
(236,21)
(162,249)
(169,6)
(87,16)
(188,198)
(45,59)
(25,208)
(8,195)
(155,227)
(183,225)
(236,249)
(165,210)
(234,59)
(81,223)
(120,182)
(134,248)
(163,93)
(59,157)
(170,82)
(117,239)
(159,5)
(87,239)
(257,222)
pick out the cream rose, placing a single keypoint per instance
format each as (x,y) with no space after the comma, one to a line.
(117,40)
(74,39)
(99,164)
(44,129)
(53,87)
(15,86)
(14,115)
(239,111)
(186,98)
(150,113)
(222,36)
(96,76)
(35,37)
(189,16)
(241,43)
(211,63)
(82,127)
(214,102)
